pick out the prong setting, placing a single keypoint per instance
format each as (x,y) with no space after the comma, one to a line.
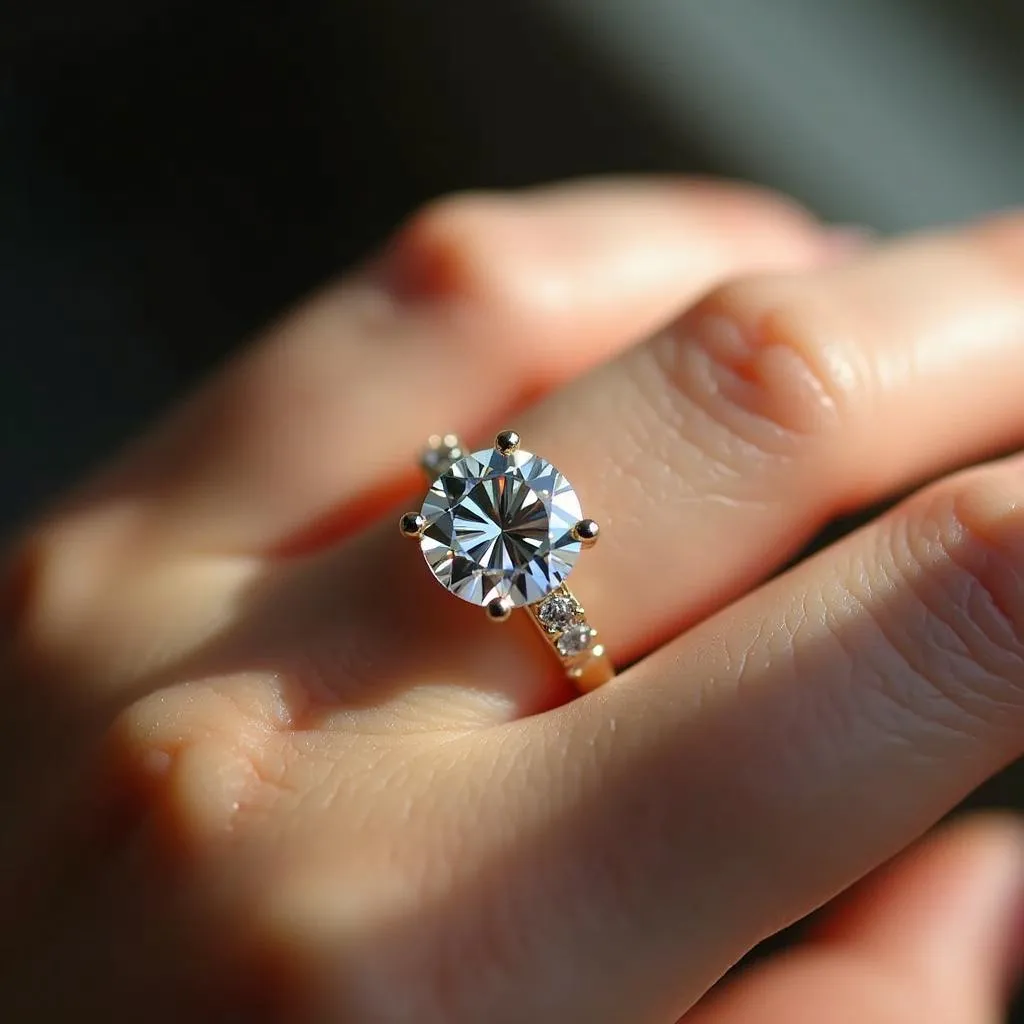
(586,531)
(506,442)
(411,525)
(441,452)
(460,506)
(499,609)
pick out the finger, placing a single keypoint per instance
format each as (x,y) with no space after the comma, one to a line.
(756,766)
(714,453)
(708,462)
(294,439)
(936,937)
(479,301)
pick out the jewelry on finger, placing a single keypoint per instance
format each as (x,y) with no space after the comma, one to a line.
(502,528)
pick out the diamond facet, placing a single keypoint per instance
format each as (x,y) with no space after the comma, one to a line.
(500,525)
(575,640)
(557,612)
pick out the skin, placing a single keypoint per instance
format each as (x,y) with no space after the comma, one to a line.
(258,766)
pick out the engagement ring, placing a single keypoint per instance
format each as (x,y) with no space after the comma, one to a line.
(502,528)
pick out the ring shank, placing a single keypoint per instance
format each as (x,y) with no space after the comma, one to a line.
(588,669)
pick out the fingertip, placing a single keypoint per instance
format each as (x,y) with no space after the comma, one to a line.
(440,254)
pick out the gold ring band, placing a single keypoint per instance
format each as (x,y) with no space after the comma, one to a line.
(588,669)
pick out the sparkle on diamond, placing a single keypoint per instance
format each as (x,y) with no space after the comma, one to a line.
(501,526)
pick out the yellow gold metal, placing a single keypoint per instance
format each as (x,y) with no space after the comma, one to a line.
(586,531)
(500,609)
(411,524)
(507,442)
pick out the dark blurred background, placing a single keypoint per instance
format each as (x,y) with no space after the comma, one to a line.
(174,173)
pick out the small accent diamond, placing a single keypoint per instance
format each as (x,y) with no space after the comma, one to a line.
(557,612)
(575,640)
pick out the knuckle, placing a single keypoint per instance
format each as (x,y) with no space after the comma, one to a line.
(963,633)
(450,250)
(79,598)
(50,584)
(761,358)
(89,603)
(187,760)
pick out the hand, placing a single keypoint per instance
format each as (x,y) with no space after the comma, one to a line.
(259,766)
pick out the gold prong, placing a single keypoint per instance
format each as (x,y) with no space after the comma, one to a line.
(411,524)
(500,609)
(586,531)
(507,442)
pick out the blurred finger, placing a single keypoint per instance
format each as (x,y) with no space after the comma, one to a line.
(936,937)
(480,302)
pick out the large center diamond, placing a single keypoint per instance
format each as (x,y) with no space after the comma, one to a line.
(501,526)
